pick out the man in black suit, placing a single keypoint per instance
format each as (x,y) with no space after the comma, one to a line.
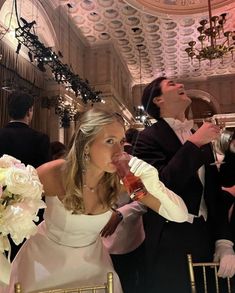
(17,139)
(183,159)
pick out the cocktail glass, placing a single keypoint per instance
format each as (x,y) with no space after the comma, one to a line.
(133,184)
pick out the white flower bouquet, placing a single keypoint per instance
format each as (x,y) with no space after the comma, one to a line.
(20,200)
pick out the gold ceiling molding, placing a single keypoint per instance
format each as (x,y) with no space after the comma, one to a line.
(178,7)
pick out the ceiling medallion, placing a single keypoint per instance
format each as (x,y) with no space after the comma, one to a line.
(171,7)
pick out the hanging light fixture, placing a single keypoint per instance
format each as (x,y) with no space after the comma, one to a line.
(66,111)
(215,42)
(140,114)
(45,56)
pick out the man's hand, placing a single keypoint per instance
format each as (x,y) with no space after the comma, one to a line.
(224,254)
(205,134)
(231,190)
(112,224)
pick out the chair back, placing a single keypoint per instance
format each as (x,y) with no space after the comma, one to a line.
(208,273)
(107,287)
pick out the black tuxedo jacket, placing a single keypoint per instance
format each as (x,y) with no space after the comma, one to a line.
(227,170)
(227,173)
(178,164)
(24,143)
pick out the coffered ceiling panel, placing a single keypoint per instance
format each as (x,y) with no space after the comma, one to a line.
(173,7)
(152,34)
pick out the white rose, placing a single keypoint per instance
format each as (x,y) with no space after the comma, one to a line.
(18,180)
(2,176)
(33,205)
(24,182)
(18,222)
(32,171)
(36,188)
(7,161)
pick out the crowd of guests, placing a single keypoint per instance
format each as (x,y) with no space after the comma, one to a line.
(91,224)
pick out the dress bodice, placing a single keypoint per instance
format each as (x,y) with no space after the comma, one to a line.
(69,229)
(66,252)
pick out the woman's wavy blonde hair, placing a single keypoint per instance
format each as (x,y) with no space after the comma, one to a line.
(90,124)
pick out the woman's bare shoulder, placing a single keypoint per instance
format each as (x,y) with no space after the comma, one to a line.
(50,166)
(50,175)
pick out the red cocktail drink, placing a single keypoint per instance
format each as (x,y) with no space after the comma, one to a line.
(133,184)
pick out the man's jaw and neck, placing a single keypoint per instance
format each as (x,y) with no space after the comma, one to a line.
(174,110)
(27,118)
(174,107)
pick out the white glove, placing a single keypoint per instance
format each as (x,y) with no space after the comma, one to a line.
(172,206)
(224,254)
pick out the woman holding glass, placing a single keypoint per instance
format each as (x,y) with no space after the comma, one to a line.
(80,193)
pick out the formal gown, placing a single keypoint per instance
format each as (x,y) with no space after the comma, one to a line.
(67,251)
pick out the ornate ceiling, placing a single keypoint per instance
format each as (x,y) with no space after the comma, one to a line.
(157,42)
(172,7)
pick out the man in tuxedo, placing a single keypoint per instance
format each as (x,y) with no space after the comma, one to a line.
(183,160)
(17,139)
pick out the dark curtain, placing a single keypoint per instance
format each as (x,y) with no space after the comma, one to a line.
(16,73)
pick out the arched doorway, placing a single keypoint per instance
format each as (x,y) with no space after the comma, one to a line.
(203,105)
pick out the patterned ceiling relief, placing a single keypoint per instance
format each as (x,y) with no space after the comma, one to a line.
(156,42)
(172,7)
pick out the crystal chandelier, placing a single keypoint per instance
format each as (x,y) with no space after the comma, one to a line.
(215,42)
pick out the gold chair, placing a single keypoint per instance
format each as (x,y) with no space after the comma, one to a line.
(107,287)
(204,268)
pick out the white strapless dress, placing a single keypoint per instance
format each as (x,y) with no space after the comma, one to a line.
(66,252)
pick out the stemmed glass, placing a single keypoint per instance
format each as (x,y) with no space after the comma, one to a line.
(218,120)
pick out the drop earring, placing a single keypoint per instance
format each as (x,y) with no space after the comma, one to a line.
(86,154)
(86,157)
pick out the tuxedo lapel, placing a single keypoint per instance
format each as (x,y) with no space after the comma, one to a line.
(208,153)
(171,145)
(167,137)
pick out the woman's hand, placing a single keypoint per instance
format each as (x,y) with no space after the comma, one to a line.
(149,176)
(146,172)
(112,224)
(159,198)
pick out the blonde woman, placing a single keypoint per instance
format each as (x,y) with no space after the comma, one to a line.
(80,192)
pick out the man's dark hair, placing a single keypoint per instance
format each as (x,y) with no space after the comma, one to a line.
(150,92)
(58,149)
(18,104)
(131,135)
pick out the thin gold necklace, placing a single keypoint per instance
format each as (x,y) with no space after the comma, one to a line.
(92,189)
